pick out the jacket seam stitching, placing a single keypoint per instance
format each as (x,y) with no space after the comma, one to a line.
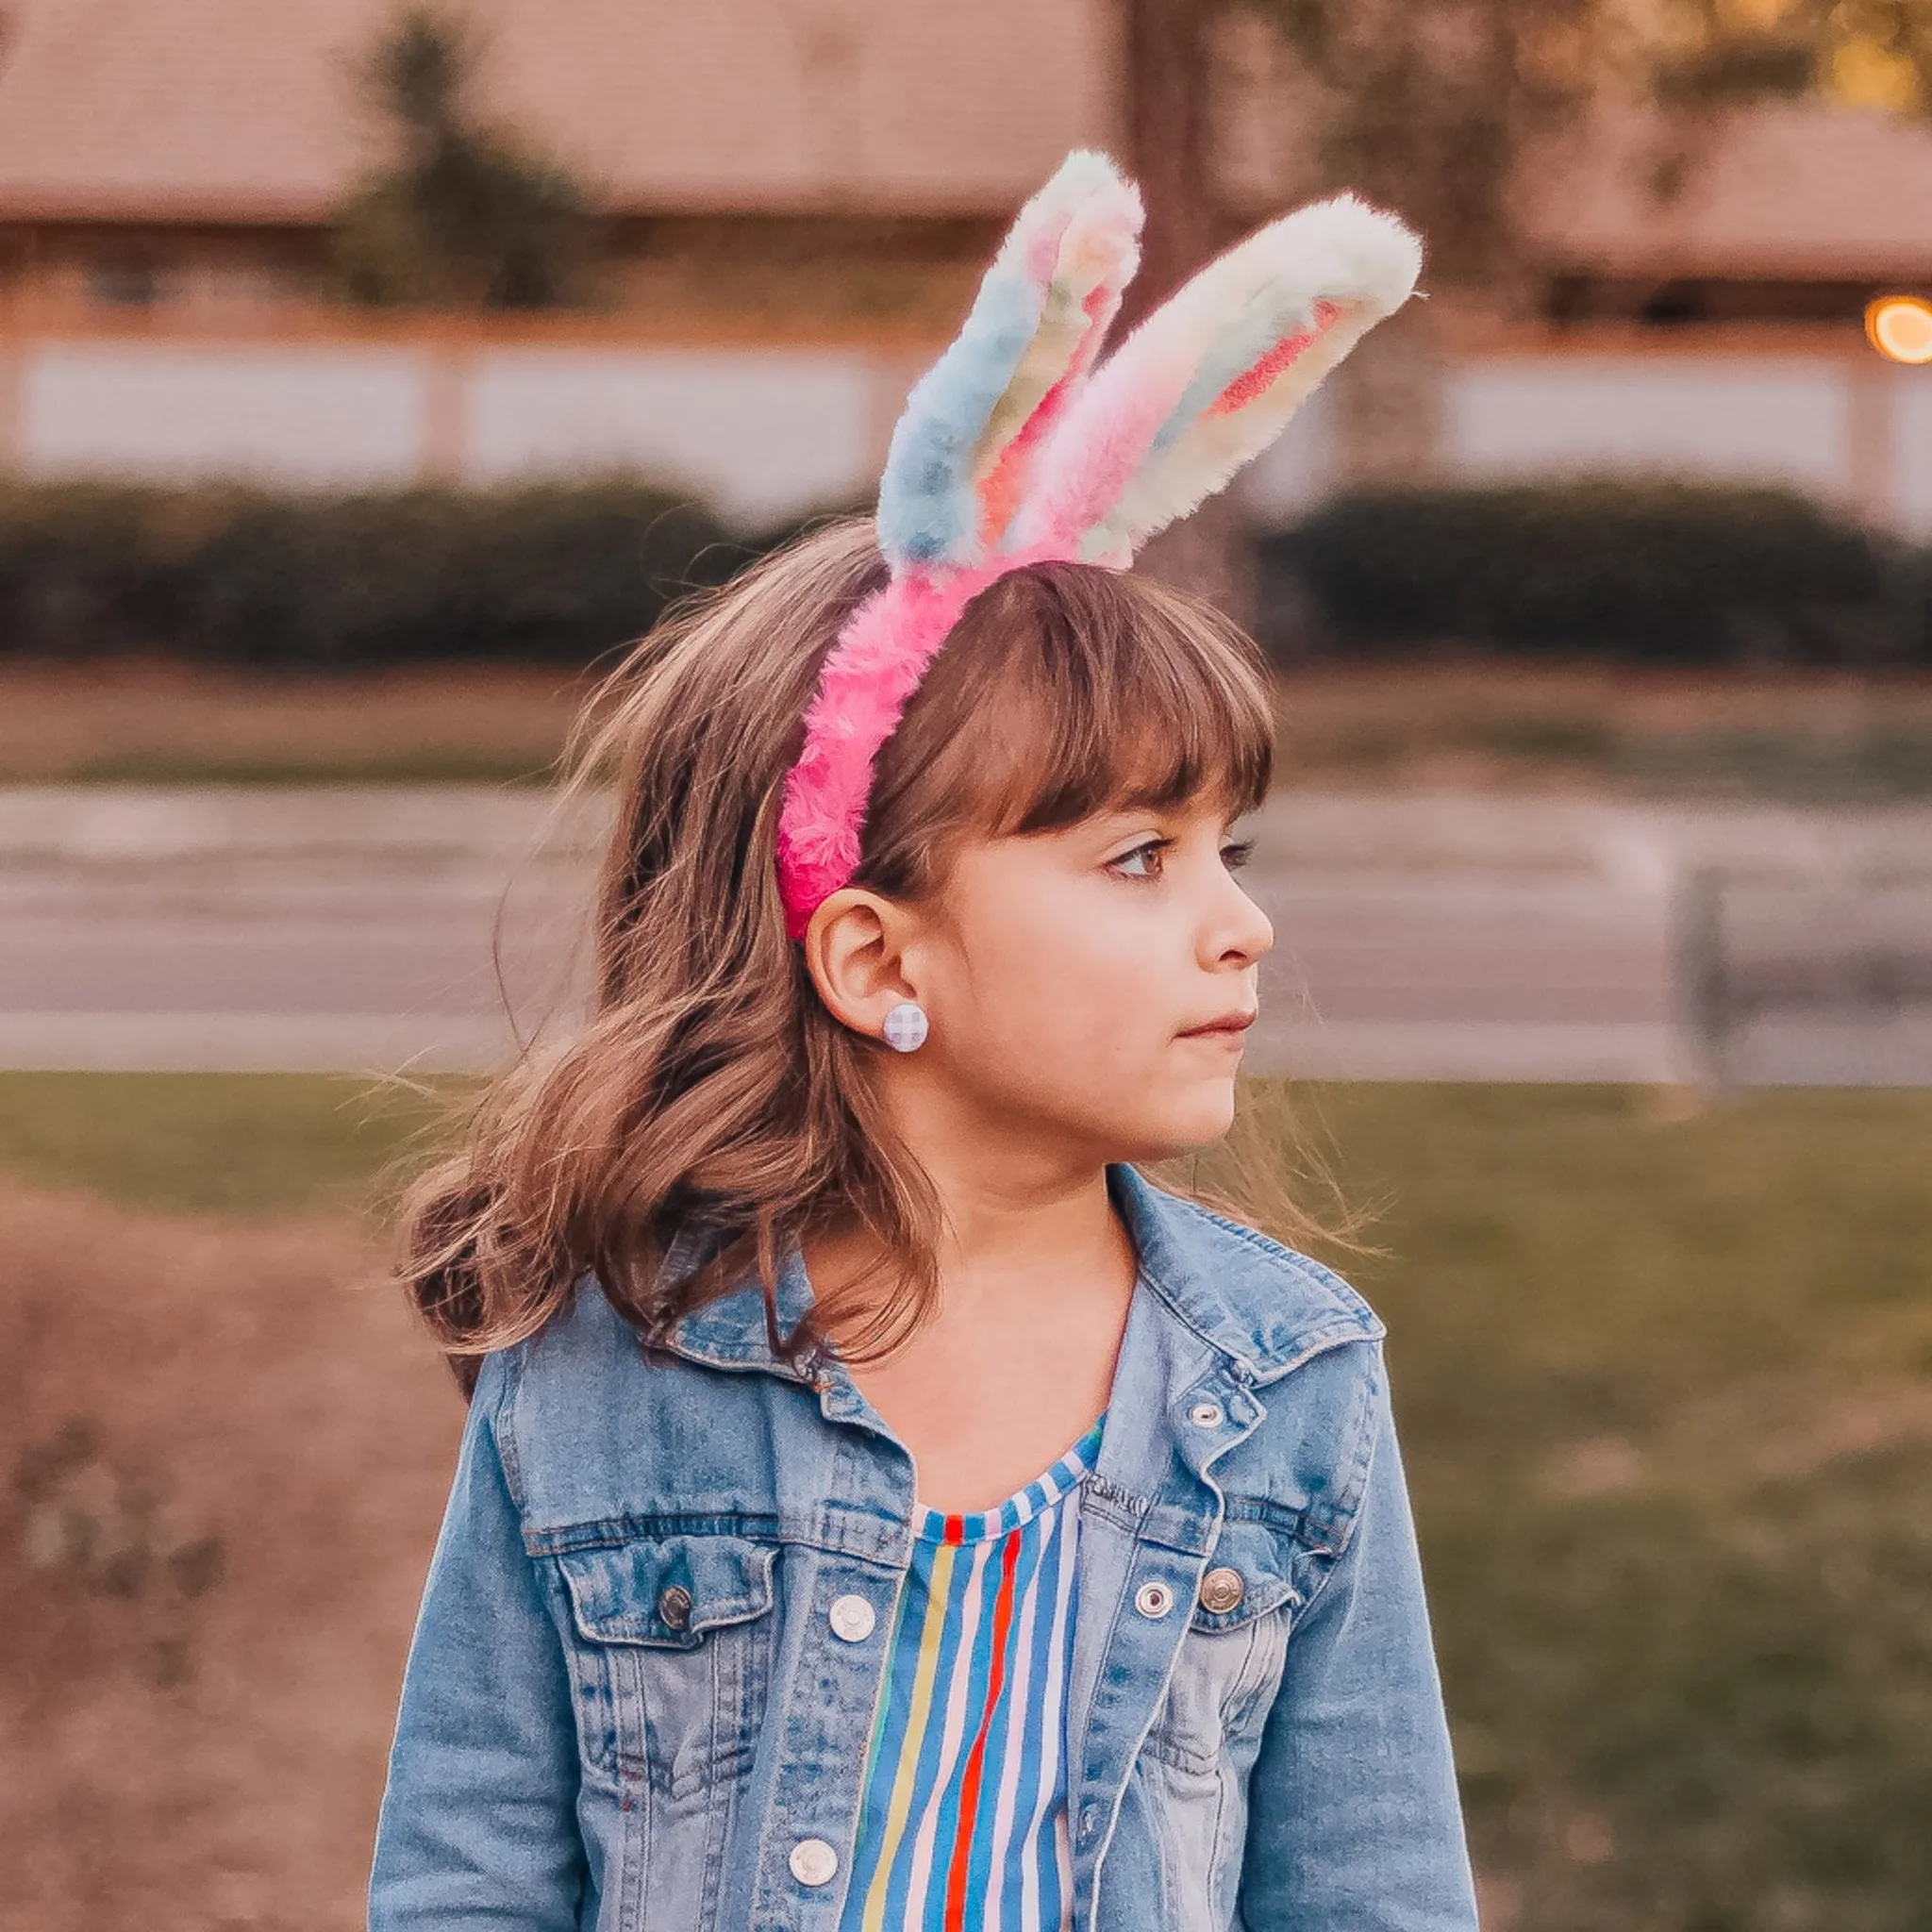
(1360,1460)
(503,1428)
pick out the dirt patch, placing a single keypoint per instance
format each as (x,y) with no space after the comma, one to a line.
(153,718)
(1504,724)
(224,1452)
(1461,720)
(1769,1431)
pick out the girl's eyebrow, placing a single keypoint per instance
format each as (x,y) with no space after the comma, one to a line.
(1229,819)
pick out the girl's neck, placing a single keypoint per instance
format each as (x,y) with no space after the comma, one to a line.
(1005,1244)
(1017,1361)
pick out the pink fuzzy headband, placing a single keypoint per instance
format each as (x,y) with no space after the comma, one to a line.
(1015,449)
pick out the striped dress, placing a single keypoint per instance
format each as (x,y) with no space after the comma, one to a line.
(962,1827)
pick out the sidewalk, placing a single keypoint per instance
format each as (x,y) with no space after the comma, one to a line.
(1424,936)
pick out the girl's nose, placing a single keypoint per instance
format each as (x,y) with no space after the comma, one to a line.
(1245,932)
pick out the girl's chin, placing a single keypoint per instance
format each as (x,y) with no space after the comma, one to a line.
(1200,1118)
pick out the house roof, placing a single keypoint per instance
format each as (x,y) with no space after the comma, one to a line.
(236,110)
(1786,191)
(244,111)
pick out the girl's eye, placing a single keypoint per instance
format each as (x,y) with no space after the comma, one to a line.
(1150,850)
(1233,856)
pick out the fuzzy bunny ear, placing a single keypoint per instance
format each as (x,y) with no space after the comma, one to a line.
(962,451)
(1211,378)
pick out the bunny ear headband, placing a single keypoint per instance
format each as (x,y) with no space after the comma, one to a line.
(1014,449)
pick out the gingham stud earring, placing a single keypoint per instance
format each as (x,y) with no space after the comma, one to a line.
(906,1026)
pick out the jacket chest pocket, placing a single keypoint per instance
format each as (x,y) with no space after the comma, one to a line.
(1234,1649)
(671,1657)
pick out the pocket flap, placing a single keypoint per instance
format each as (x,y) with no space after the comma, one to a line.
(1263,1557)
(620,1593)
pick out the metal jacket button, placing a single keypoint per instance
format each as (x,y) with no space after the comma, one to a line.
(813,1861)
(851,1618)
(1221,1589)
(1205,1415)
(674,1606)
(1154,1599)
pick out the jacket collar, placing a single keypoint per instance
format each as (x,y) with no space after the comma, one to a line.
(1263,1307)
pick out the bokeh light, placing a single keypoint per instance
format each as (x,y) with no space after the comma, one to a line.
(1899,326)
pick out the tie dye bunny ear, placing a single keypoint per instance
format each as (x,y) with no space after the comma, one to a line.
(1211,378)
(1015,449)
(963,450)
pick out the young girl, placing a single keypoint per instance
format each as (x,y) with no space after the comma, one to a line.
(881,1506)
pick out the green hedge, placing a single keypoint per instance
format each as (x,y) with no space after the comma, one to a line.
(1663,574)
(1674,574)
(551,574)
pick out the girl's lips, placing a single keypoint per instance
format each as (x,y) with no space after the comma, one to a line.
(1230,1027)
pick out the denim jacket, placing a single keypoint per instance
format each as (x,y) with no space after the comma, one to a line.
(625,1706)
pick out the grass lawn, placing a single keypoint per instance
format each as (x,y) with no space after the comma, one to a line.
(1665,1384)
(213,1144)
(1666,1388)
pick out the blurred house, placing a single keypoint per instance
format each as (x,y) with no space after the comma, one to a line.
(804,192)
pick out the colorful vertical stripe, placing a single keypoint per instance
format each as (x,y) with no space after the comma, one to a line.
(963,1826)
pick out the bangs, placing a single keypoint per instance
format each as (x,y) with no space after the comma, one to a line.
(1068,689)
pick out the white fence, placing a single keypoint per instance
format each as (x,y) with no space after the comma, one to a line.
(1849,430)
(762,432)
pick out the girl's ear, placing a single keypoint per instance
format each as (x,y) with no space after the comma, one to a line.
(850,954)
(1211,378)
(963,450)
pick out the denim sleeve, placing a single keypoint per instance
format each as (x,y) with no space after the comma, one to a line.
(479,1825)
(1354,1823)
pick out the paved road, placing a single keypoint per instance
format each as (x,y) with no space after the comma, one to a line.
(1433,936)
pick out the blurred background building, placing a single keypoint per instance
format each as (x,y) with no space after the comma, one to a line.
(384,264)
(794,201)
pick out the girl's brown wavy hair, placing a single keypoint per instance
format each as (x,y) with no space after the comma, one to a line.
(710,1084)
